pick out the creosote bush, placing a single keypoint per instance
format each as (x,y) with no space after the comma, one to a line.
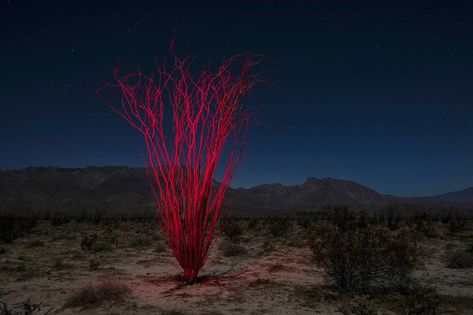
(360,256)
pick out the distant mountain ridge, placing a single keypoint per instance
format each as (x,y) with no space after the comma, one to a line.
(124,190)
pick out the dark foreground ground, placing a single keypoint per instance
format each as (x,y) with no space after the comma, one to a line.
(258,266)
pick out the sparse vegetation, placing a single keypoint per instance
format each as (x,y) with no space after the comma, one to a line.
(36,243)
(374,256)
(456,222)
(232,230)
(460,260)
(12,227)
(232,249)
(361,257)
(421,300)
(94,264)
(88,240)
(280,228)
(101,246)
(93,294)
(140,241)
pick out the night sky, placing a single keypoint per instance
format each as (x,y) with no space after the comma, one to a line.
(380,93)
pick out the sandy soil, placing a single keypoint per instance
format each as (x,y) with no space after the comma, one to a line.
(276,276)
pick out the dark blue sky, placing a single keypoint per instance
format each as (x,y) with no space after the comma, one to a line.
(376,92)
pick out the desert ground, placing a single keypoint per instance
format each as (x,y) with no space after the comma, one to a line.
(253,270)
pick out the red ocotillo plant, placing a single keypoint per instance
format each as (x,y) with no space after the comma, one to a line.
(190,126)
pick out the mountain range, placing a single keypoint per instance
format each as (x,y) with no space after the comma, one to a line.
(125,190)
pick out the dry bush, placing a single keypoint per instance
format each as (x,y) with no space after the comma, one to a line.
(35,243)
(94,264)
(93,294)
(232,249)
(59,264)
(421,300)
(160,247)
(88,240)
(12,227)
(140,241)
(359,257)
(456,223)
(232,230)
(25,307)
(101,246)
(276,267)
(461,260)
(426,225)
(280,227)
(253,223)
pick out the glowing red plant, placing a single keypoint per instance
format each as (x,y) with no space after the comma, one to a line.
(190,126)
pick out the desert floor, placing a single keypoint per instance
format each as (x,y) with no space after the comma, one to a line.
(275,275)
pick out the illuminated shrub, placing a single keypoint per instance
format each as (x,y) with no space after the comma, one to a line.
(191,126)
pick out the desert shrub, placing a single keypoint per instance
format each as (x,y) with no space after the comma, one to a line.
(276,267)
(140,241)
(421,300)
(101,246)
(253,223)
(456,223)
(35,243)
(306,219)
(461,260)
(4,309)
(25,307)
(57,219)
(280,228)
(94,264)
(59,264)
(64,236)
(12,227)
(160,248)
(157,236)
(172,312)
(232,249)
(93,294)
(361,258)
(88,240)
(232,230)
(360,308)
(392,219)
